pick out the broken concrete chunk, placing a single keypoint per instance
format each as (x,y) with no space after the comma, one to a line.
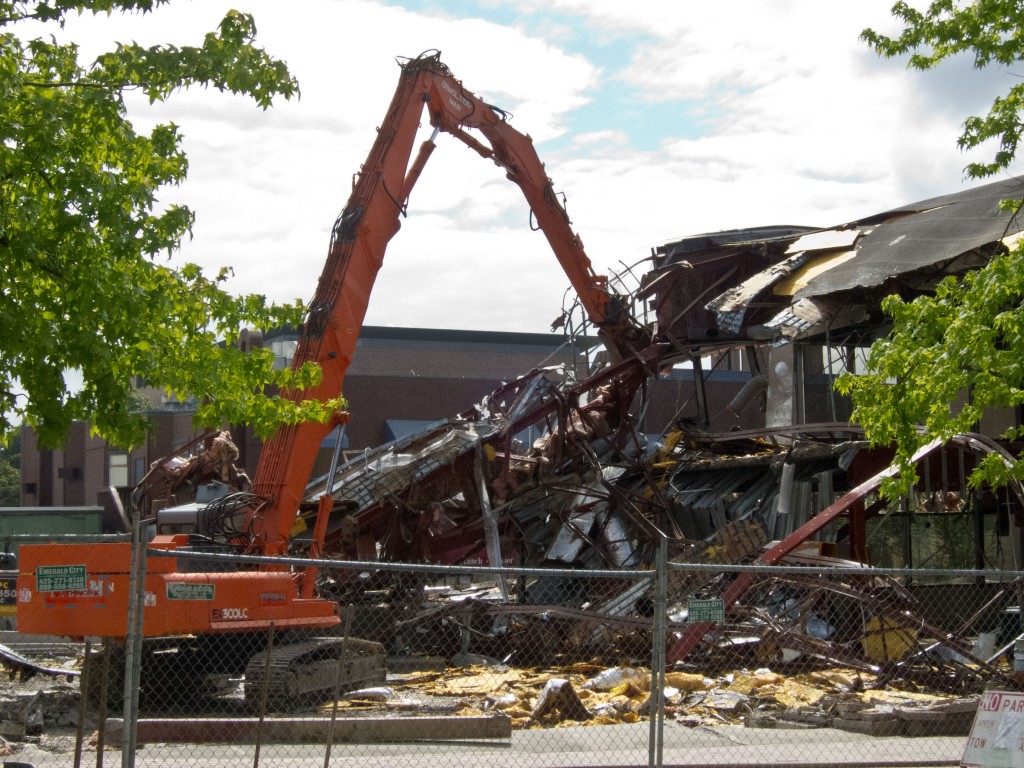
(725,701)
(852,705)
(806,717)
(615,677)
(559,697)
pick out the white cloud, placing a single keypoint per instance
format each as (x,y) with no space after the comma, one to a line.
(801,124)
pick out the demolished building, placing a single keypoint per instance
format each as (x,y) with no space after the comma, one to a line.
(803,306)
(552,470)
(796,304)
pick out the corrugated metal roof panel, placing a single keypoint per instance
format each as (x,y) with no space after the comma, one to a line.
(922,235)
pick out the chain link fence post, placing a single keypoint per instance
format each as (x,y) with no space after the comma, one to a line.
(658,640)
(133,640)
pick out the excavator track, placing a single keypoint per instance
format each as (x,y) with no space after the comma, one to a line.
(308,671)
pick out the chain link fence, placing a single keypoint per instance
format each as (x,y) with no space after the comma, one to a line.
(440,666)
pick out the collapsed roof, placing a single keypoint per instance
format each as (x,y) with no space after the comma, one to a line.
(799,283)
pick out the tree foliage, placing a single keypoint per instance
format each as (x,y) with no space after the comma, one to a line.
(968,337)
(89,293)
(992,31)
(10,472)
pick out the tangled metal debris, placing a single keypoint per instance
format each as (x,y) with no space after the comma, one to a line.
(591,492)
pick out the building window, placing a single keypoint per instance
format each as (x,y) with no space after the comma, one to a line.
(140,469)
(117,469)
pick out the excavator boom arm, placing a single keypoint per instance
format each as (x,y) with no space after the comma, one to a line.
(453,109)
(360,236)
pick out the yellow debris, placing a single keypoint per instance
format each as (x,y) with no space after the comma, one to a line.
(897,697)
(793,694)
(747,683)
(887,638)
(840,678)
(631,689)
(687,681)
(479,689)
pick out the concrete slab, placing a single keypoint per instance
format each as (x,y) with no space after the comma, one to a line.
(313,730)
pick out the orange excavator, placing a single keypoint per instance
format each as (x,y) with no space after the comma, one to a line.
(219,617)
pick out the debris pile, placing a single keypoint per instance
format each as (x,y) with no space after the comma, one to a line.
(720,502)
(39,700)
(589,492)
(587,694)
(45,710)
(209,460)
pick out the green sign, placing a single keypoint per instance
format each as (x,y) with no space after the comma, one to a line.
(705,610)
(60,578)
(186,590)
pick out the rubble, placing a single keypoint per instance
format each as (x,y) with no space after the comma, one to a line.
(594,493)
(759,698)
(616,677)
(22,668)
(209,460)
(42,709)
(560,699)
(45,711)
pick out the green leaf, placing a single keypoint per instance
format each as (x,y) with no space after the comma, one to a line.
(966,339)
(992,32)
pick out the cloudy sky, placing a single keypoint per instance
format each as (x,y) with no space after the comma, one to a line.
(657,119)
